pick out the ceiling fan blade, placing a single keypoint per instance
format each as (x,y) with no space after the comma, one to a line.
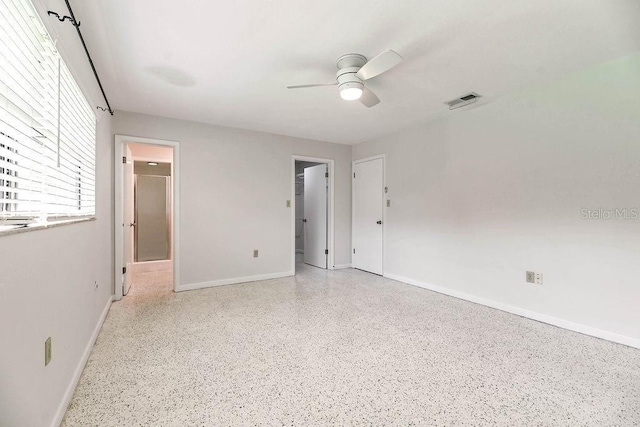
(368,98)
(314,85)
(379,64)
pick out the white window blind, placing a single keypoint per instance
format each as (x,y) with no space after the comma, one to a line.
(47,128)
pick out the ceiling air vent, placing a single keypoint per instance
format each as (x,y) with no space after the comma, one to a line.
(467,99)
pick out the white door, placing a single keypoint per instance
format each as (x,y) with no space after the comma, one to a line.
(128,227)
(315,216)
(368,188)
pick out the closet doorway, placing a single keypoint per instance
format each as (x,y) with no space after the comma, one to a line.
(312,212)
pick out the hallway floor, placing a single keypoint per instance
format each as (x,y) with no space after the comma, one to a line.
(343,347)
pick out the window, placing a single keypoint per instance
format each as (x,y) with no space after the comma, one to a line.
(47,128)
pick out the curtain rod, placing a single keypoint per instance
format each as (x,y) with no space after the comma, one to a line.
(76,24)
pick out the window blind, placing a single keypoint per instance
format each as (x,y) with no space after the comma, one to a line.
(47,128)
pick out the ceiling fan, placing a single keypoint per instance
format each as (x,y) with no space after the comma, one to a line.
(354,70)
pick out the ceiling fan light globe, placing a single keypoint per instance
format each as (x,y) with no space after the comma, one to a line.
(351,93)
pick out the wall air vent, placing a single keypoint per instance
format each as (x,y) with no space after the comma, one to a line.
(467,99)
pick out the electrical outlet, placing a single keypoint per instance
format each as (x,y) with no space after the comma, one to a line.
(288,203)
(47,351)
(255,253)
(531,277)
(538,278)
(388,203)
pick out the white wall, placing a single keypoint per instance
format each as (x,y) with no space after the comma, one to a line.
(234,188)
(47,280)
(488,192)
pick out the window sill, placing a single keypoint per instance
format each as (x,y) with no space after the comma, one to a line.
(6,230)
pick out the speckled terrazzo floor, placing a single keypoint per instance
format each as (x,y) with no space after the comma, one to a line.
(343,348)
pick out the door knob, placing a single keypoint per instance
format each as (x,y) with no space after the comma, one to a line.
(379,222)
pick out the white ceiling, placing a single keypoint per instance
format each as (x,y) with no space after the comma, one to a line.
(228,63)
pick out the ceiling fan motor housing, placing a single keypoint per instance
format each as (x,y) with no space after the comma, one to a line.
(351,60)
(347,78)
(348,65)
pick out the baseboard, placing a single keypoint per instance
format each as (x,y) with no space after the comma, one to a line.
(341,266)
(147,266)
(71,388)
(561,323)
(232,281)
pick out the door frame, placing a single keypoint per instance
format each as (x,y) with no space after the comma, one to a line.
(330,206)
(384,197)
(120,141)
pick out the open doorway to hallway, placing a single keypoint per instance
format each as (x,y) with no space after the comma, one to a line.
(146,209)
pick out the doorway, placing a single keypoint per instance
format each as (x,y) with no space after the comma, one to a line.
(312,213)
(368,212)
(147,208)
(312,190)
